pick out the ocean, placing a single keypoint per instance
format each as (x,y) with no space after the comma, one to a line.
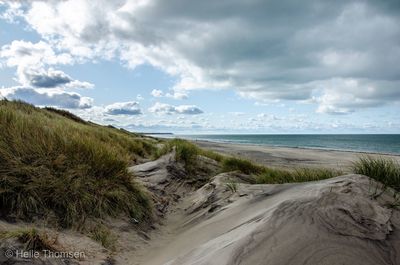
(376,143)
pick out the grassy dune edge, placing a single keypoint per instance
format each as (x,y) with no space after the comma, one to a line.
(53,167)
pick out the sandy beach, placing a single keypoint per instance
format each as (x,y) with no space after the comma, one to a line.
(284,157)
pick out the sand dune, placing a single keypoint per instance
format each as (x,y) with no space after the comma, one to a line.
(227,220)
(334,221)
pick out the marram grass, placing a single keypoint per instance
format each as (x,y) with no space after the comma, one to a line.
(52,165)
(385,171)
(188,153)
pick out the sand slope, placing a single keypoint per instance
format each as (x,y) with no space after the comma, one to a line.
(327,222)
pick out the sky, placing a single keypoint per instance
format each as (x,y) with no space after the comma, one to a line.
(200,67)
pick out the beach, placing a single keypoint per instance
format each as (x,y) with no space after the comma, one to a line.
(289,158)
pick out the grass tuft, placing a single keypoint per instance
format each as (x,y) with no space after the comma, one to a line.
(385,171)
(31,238)
(242,165)
(104,236)
(272,176)
(232,186)
(187,153)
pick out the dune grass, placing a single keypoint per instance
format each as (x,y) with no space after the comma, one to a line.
(273,176)
(104,236)
(31,238)
(242,165)
(266,175)
(385,171)
(51,165)
(232,186)
(187,153)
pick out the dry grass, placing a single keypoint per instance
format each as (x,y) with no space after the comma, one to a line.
(104,236)
(31,238)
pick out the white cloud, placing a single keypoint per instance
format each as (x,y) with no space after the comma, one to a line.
(267,117)
(346,95)
(173,94)
(47,97)
(123,108)
(51,78)
(157,93)
(177,95)
(12,11)
(25,53)
(188,109)
(162,108)
(31,60)
(237,113)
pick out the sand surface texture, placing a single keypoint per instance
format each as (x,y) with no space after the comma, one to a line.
(334,221)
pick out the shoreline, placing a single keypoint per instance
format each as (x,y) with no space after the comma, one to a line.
(294,147)
(290,157)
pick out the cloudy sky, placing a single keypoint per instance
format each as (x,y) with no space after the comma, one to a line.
(228,66)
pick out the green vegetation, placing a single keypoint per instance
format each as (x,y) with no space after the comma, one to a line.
(265,175)
(104,236)
(187,153)
(385,171)
(31,238)
(242,165)
(232,186)
(52,165)
(272,176)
